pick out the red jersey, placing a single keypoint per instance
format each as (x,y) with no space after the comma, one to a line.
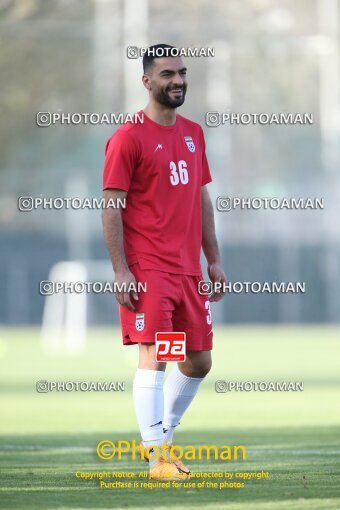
(162,168)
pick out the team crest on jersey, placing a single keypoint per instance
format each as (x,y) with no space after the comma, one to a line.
(140,321)
(190,143)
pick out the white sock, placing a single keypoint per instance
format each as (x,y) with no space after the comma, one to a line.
(149,405)
(179,391)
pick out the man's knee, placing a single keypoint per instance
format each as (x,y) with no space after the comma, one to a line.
(147,358)
(200,370)
(197,366)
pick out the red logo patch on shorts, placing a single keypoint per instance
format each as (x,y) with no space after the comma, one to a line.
(170,346)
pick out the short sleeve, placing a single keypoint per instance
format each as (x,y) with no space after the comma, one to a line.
(121,157)
(206,175)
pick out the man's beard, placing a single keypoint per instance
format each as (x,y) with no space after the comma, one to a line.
(162,97)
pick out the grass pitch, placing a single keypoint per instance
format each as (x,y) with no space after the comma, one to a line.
(295,436)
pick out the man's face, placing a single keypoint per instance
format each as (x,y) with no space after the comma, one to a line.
(167,81)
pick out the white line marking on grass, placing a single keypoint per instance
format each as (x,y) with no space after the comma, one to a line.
(86,449)
(59,448)
(301,451)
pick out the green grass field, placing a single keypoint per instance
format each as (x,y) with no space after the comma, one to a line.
(295,436)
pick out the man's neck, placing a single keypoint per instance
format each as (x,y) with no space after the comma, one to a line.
(160,114)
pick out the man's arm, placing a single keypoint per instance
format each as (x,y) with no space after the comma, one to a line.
(113,235)
(210,245)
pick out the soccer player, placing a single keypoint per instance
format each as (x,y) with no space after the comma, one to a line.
(160,167)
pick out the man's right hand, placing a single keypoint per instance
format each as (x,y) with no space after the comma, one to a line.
(125,279)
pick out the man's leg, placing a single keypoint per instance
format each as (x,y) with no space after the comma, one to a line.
(181,387)
(148,397)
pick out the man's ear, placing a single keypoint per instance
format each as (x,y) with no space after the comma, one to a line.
(146,81)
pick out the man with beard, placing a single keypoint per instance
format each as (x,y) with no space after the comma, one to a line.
(160,167)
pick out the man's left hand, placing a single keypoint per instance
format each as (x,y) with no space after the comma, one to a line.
(217,275)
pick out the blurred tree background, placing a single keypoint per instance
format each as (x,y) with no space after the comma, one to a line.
(271,56)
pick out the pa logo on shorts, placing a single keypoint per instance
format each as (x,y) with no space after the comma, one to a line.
(190,143)
(140,321)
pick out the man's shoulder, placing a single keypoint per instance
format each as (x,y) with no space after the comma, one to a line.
(188,123)
(130,128)
(127,133)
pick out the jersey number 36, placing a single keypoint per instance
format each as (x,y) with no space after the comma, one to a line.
(178,173)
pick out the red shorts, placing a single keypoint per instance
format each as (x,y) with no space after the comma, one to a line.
(171,303)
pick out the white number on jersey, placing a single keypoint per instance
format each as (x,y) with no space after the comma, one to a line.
(209,317)
(179,173)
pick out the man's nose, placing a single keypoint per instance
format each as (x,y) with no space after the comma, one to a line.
(178,80)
